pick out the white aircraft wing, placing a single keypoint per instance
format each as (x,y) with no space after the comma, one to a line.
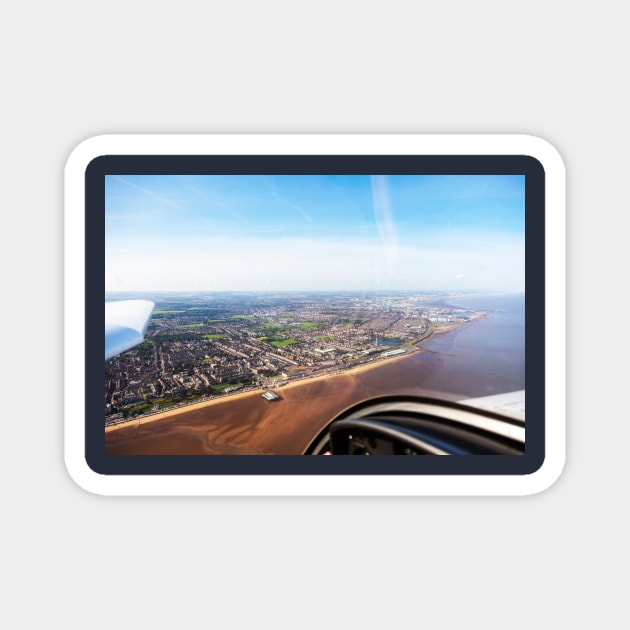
(511,403)
(125,325)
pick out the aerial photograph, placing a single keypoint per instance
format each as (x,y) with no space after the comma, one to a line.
(279,303)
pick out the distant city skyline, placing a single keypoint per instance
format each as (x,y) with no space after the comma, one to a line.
(314,232)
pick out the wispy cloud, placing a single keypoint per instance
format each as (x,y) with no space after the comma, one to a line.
(147,191)
(384,220)
(280,199)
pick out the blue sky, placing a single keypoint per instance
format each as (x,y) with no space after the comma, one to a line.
(314,232)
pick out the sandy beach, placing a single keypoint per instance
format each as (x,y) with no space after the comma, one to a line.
(246,423)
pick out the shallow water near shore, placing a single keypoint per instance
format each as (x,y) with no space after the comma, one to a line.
(483,357)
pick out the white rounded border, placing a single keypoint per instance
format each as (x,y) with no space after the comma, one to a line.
(315,485)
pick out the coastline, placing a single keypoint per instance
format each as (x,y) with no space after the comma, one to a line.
(359,369)
(162,415)
(245,423)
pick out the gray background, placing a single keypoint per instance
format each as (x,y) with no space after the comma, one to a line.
(73,70)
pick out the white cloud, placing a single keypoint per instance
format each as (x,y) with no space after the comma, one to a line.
(295,263)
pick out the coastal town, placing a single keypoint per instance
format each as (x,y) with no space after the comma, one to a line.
(201,346)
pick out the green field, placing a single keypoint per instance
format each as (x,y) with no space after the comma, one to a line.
(284,343)
(138,409)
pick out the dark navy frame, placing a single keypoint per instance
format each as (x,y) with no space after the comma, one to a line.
(108,464)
